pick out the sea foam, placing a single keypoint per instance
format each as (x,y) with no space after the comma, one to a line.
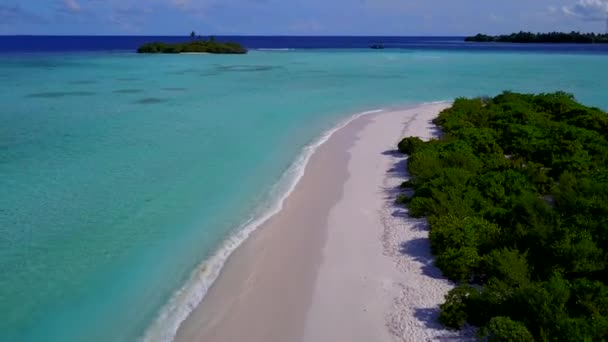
(275,49)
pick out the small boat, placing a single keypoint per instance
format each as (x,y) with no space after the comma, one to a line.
(377,46)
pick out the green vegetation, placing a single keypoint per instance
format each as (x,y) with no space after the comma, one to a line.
(551,37)
(410,145)
(516,196)
(208,46)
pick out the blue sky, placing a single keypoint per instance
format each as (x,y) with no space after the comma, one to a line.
(299,17)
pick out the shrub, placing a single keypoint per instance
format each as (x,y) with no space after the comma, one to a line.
(409,145)
(407,184)
(458,264)
(454,311)
(503,329)
(402,199)
(508,265)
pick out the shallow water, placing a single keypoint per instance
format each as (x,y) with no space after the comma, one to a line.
(120,173)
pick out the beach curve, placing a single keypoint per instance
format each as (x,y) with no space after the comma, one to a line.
(324,267)
(188,297)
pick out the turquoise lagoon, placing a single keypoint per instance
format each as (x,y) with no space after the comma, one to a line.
(120,174)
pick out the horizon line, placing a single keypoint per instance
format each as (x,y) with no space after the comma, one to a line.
(218,35)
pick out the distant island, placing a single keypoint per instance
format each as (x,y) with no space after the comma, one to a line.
(197,45)
(551,37)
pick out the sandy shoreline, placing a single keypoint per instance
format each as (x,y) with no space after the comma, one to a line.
(339,262)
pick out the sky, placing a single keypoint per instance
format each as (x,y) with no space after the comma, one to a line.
(299,17)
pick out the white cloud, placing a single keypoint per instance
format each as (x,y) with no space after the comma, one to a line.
(590,10)
(72,5)
(180,3)
(391,5)
(193,7)
(493,17)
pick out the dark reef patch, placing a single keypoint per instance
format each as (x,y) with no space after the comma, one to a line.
(183,72)
(245,68)
(83,82)
(149,100)
(210,73)
(58,94)
(128,91)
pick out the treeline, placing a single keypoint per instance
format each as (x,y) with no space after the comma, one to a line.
(197,46)
(551,37)
(516,196)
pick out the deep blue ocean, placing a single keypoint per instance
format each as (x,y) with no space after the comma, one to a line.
(126,179)
(130,43)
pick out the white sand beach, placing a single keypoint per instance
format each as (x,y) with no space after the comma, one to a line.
(340,261)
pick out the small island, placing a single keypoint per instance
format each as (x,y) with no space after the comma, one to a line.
(196,45)
(551,37)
